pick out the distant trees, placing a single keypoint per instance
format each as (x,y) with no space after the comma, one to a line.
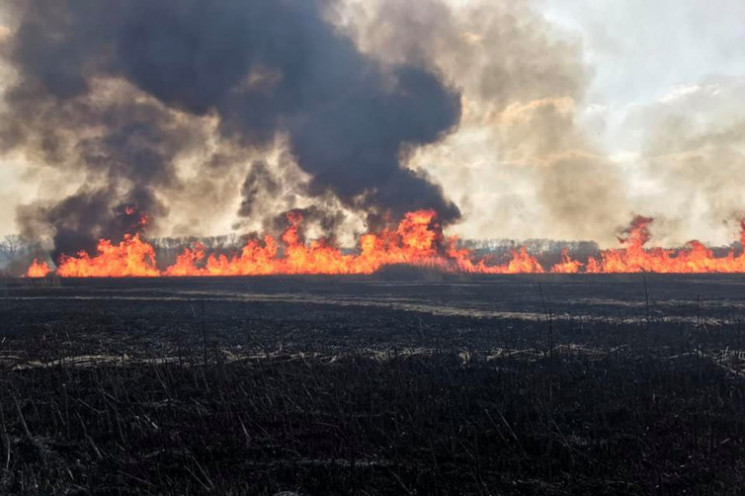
(16,253)
(13,246)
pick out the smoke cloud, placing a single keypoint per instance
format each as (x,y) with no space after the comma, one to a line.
(117,93)
(521,164)
(343,110)
(693,156)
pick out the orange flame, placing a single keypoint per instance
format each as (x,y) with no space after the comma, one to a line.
(131,257)
(38,269)
(567,264)
(633,257)
(414,241)
(417,240)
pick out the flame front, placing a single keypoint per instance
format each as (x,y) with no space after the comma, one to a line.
(633,257)
(418,240)
(415,241)
(133,257)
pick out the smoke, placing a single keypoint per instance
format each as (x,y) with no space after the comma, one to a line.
(521,163)
(116,94)
(311,220)
(120,151)
(259,182)
(693,156)
(190,109)
(527,161)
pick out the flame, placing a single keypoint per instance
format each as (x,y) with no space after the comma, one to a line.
(131,257)
(567,264)
(634,257)
(38,269)
(417,240)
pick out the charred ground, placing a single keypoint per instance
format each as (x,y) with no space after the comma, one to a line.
(393,384)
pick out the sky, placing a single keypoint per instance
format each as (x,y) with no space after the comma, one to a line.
(662,80)
(641,52)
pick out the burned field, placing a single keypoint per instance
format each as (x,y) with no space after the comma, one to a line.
(392,384)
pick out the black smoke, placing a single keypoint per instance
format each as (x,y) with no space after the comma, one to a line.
(262,67)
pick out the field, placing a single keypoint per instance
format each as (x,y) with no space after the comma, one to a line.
(405,382)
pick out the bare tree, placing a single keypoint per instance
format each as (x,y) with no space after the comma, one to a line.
(13,245)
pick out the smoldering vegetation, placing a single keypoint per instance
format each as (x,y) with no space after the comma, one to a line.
(614,385)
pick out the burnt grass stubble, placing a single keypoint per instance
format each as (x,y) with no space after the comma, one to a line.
(613,386)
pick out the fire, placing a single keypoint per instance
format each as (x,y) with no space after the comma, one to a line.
(634,257)
(131,257)
(38,269)
(417,240)
(567,264)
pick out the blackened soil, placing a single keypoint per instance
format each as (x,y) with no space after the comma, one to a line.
(370,385)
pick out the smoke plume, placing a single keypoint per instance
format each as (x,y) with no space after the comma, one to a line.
(520,165)
(115,94)
(192,110)
(693,156)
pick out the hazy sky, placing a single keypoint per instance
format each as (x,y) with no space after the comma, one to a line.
(646,59)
